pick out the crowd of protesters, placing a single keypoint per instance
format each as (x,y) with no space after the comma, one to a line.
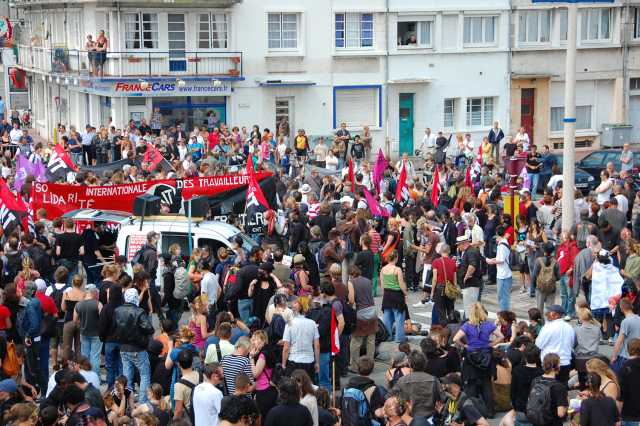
(271,331)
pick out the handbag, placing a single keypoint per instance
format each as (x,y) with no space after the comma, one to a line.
(451,289)
(393,246)
(49,326)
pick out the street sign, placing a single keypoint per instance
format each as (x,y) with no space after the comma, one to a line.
(514,165)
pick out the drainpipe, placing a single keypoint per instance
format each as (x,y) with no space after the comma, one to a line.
(509,70)
(625,58)
(386,83)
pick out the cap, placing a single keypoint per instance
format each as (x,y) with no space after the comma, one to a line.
(300,130)
(9,386)
(320,138)
(23,301)
(88,126)
(155,347)
(463,239)
(399,358)
(584,214)
(166,256)
(412,201)
(41,285)
(314,170)
(454,314)
(90,288)
(316,230)
(306,188)
(151,235)
(548,247)
(334,233)
(452,379)
(121,259)
(298,258)
(454,210)
(557,309)
(94,412)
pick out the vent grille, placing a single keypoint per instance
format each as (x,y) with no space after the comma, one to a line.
(579,144)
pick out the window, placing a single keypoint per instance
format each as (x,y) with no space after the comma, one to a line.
(480,109)
(448,113)
(107,26)
(75,31)
(415,32)
(141,30)
(564,24)
(634,84)
(283,31)
(583,118)
(595,24)
(534,26)
(357,107)
(637,27)
(353,30)
(480,30)
(212,31)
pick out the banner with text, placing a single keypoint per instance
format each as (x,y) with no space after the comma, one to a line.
(60,199)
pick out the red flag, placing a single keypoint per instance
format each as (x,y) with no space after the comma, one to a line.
(335,335)
(255,198)
(468,182)
(351,175)
(59,164)
(152,156)
(250,168)
(435,188)
(12,211)
(402,193)
(374,206)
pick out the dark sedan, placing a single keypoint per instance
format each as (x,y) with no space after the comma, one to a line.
(583,180)
(597,161)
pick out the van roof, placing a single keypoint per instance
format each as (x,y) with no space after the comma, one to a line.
(99,215)
(225,230)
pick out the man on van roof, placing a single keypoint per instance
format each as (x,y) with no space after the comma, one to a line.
(149,261)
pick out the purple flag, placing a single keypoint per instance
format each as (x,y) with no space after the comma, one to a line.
(41,171)
(374,206)
(378,170)
(25,167)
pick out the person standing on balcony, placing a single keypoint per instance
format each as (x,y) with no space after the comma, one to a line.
(91,48)
(101,57)
(156,121)
(283,127)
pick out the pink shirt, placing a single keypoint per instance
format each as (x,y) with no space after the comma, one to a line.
(265,146)
(262,382)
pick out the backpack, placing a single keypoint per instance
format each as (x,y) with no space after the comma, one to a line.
(484,267)
(356,409)
(465,401)
(583,233)
(183,283)
(539,411)
(546,279)
(11,365)
(192,387)
(137,258)
(276,375)
(225,272)
(56,295)
(318,251)
(350,317)
(41,261)
(230,296)
(514,261)
(13,265)
(348,248)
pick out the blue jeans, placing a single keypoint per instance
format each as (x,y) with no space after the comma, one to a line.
(72,267)
(322,377)
(44,356)
(340,163)
(623,423)
(480,290)
(388,318)
(113,361)
(617,364)
(532,289)
(141,361)
(534,178)
(91,349)
(245,307)
(521,419)
(172,314)
(93,272)
(504,292)
(568,298)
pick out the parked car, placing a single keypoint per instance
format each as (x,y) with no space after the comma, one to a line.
(597,161)
(583,180)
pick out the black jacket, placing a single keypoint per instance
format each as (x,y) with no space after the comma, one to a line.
(108,331)
(451,235)
(629,377)
(299,233)
(133,325)
(245,275)
(471,257)
(150,260)
(322,318)
(93,397)
(521,385)
(310,265)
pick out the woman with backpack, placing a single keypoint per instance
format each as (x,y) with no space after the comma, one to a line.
(300,277)
(187,337)
(598,409)
(547,266)
(263,365)
(537,237)
(10,299)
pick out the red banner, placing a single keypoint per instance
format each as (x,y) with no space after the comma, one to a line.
(60,199)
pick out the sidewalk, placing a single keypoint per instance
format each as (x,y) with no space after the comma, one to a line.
(36,136)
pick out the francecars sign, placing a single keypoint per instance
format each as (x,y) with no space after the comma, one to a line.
(154,88)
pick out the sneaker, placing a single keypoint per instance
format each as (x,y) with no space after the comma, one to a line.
(601,342)
(610,342)
(522,289)
(421,304)
(567,318)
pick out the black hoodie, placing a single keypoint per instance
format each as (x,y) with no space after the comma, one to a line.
(364,383)
(108,329)
(521,385)
(628,378)
(310,265)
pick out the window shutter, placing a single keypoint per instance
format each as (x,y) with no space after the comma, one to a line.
(356,107)
(449,31)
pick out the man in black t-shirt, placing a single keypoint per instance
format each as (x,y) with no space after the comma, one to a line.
(534,165)
(92,253)
(510,147)
(559,401)
(142,149)
(69,248)
(143,127)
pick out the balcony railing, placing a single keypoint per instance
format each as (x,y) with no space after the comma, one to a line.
(144,63)
(214,3)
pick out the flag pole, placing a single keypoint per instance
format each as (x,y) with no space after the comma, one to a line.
(333,384)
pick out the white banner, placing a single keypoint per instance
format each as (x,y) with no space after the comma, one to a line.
(606,282)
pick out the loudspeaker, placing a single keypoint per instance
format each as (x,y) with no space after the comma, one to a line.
(199,206)
(152,207)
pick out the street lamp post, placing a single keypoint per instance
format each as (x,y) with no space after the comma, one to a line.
(569,150)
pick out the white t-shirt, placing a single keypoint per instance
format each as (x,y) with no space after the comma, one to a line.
(182,151)
(281,149)
(606,195)
(623,203)
(468,151)
(429,140)
(524,139)
(553,182)
(210,285)
(502,255)
(206,401)
(332,162)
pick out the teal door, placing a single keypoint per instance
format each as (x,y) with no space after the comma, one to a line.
(406,123)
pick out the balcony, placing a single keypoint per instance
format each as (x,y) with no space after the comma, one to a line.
(210,3)
(142,64)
